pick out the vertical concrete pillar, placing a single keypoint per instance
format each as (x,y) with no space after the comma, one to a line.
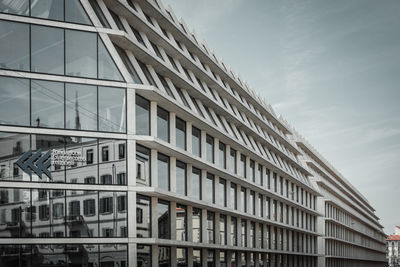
(154,215)
(172,128)
(228,230)
(216,186)
(248,171)
(203,145)
(153,118)
(154,255)
(189,225)
(172,173)
(154,168)
(189,182)
(227,155)
(173,220)
(190,257)
(203,184)
(189,146)
(217,160)
(173,256)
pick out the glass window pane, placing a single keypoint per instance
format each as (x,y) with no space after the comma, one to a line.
(142,116)
(143,255)
(81,53)
(15,7)
(181,223)
(142,165)
(196,225)
(164,257)
(143,215)
(180,133)
(12,146)
(81,107)
(196,141)
(47,49)
(197,258)
(107,68)
(163,219)
(48,9)
(113,254)
(196,183)
(128,64)
(210,188)
(14,46)
(163,172)
(47,104)
(14,102)
(180,178)
(75,13)
(210,148)
(162,124)
(112,109)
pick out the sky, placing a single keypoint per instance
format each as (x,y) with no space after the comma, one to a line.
(330,68)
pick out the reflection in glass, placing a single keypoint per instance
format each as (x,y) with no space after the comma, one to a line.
(113,255)
(232,161)
(75,13)
(210,196)
(14,46)
(80,53)
(210,148)
(164,257)
(233,231)
(47,49)
(196,142)
(180,130)
(81,107)
(162,124)
(14,102)
(222,155)
(210,258)
(163,219)
(163,172)
(180,178)
(197,258)
(47,104)
(12,146)
(211,227)
(48,9)
(13,7)
(196,183)
(222,192)
(142,116)
(112,109)
(143,216)
(107,68)
(143,255)
(222,229)
(196,225)
(233,195)
(142,165)
(181,222)
(181,257)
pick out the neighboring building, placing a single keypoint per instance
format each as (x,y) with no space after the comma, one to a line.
(393,248)
(351,233)
(183,164)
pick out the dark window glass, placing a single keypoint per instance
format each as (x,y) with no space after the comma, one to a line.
(89,207)
(222,229)
(180,178)
(142,116)
(75,13)
(210,189)
(47,100)
(181,223)
(233,231)
(81,107)
(180,133)
(222,155)
(196,225)
(14,46)
(196,183)
(196,141)
(163,172)
(222,192)
(107,68)
(232,161)
(163,219)
(243,166)
(13,7)
(121,151)
(143,255)
(164,256)
(138,36)
(173,63)
(81,53)
(210,148)
(99,13)
(104,153)
(211,227)
(197,261)
(128,64)
(233,195)
(243,202)
(14,108)
(147,73)
(47,49)
(253,170)
(162,124)
(181,257)
(243,239)
(210,258)
(13,206)
(112,111)
(252,203)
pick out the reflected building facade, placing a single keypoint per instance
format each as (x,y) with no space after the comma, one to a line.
(178,161)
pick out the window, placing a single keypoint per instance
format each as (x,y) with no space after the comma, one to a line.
(89,156)
(196,141)
(14,46)
(81,53)
(210,148)
(142,116)
(164,256)
(243,202)
(74,208)
(128,64)
(210,196)
(210,227)
(180,130)
(14,92)
(243,166)
(181,178)
(181,223)
(58,210)
(252,235)
(243,239)
(162,124)
(142,165)
(112,110)
(106,179)
(121,151)
(147,73)
(81,107)
(181,257)
(89,207)
(99,13)
(259,176)
(260,206)
(197,260)
(163,172)
(143,216)
(104,153)
(121,203)
(163,218)
(196,183)
(44,212)
(233,231)
(196,225)
(232,161)
(106,205)
(222,155)
(75,13)
(47,49)
(252,203)
(222,192)
(253,170)
(233,196)
(222,229)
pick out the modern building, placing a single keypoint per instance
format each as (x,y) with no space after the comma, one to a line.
(393,248)
(125,141)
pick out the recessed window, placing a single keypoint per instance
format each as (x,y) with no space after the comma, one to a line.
(180,131)
(142,116)
(163,172)
(196,141)
(196,183)
(210,148)
(163,124)
(180,178)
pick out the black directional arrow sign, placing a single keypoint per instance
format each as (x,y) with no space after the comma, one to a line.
(36,162)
